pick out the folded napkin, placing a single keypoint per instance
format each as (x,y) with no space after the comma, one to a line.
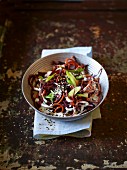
(46,128)
(80,50)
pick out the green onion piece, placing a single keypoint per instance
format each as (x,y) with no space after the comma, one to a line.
(50,77)
(74,91)
(40,77)
(79,77)
(69,81)
(83,95)
(78,70)
(72,78)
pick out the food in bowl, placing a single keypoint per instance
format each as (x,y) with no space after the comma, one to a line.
(68,89)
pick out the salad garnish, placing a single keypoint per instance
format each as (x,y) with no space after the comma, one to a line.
(66,90)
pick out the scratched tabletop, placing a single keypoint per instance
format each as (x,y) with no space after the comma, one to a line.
(24,34)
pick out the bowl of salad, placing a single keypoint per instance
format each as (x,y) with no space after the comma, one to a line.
(65,86)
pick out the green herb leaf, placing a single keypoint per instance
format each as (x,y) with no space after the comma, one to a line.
(50,96)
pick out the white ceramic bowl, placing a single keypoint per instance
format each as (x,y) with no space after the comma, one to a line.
(45,64)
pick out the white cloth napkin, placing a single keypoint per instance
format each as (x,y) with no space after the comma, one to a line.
(80,50)
(46,128)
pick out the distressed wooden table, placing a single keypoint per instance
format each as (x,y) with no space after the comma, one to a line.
(27,33)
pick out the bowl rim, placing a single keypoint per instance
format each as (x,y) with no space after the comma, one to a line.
(78,116)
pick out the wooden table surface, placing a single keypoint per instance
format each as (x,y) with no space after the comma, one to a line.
(28,32)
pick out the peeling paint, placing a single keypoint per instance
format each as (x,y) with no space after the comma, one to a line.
(79,146)
(16,165)
(106,162)
(49,167)
(114,164)
(88,166)
(96,31)
(70,168)
(110,21)
(2,76)
(15,75)
(40,142)
(49,35)
(76,160)
(4,105)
